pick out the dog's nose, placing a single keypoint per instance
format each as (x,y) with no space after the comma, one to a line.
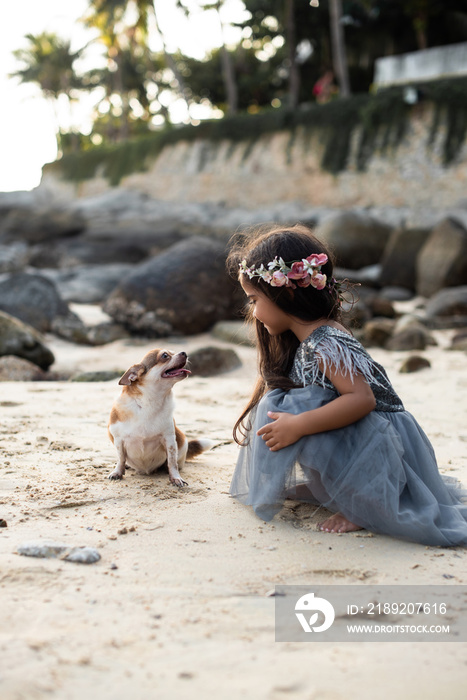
(183,353)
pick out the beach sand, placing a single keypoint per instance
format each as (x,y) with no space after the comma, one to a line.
(179,604)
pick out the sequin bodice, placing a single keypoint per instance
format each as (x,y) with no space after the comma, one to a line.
(329,346)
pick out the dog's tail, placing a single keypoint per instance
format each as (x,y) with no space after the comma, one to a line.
(196,447)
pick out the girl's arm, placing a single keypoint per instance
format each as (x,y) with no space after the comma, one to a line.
(356,400)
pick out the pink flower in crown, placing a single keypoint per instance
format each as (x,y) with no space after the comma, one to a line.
(319,281)
(266,276)
(297,271)
(305,281)
(279,279)
(317,259)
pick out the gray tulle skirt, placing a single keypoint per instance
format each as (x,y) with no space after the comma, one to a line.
(380,473)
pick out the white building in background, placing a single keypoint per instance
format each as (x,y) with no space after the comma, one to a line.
(429,64)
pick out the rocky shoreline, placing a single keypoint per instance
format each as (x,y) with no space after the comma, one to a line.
(157,270)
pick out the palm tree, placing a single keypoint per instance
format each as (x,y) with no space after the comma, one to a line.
(49,62)
(109,17)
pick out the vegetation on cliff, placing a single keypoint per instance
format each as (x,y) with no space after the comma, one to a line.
(381,121)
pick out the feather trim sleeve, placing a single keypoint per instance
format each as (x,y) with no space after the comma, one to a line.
(328,347)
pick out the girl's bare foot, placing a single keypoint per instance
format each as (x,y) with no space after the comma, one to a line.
(338,523)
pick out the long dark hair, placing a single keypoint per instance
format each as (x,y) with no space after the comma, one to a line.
(276,353)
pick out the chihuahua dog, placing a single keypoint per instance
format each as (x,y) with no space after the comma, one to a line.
(141,424)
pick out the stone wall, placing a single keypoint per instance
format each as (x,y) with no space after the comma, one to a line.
(286,167)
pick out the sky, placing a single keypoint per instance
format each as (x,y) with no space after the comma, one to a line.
(27,120)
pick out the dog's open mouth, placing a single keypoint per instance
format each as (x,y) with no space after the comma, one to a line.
(177,371)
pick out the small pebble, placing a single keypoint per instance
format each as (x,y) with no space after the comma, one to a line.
(3,523)
(83,555)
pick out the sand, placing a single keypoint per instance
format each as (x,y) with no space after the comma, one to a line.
(179,605)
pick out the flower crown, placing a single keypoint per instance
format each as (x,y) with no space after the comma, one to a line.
(303,272)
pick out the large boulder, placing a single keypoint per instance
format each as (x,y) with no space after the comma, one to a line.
(33,299)
(183,290)
(442,262)
(355,238)
(399,258)
(18,338)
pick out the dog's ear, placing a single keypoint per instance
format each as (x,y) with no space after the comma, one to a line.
(132,374)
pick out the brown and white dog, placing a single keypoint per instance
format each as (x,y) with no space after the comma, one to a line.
(142,425)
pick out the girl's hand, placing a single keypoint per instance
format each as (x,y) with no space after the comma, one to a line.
(282,432)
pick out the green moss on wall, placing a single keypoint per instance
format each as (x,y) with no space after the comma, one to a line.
(380,120)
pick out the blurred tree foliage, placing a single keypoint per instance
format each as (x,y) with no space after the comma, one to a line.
(284,46)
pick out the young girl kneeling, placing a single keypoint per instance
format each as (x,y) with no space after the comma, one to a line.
(324,424)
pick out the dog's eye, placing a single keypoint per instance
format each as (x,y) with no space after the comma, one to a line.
(165,356)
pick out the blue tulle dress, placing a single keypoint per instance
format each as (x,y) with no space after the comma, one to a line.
(379,472)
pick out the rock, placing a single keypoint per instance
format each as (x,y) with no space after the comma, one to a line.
(128,215)
(414,363)
(442,261)
(355,315)
(97,376)
(13,257)
(378,331)
(185,290)
(21,199)
(83,555)
(459,341)
(17,369)
(448,302)
(356,307)
(396,293)
(18,338)
(411,320)
(80,252)
(368,275)
(398,264)
(103,333)
(379,306)
(410,334)
(211,360)
(55,550)
(237,332)
(70,327)
(412,338)
(32,299)
(356,238)
(40,224)
(88,284)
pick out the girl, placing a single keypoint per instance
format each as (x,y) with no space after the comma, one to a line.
(324,424)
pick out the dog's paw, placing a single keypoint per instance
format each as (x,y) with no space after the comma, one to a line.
(179,482)
(115,475)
